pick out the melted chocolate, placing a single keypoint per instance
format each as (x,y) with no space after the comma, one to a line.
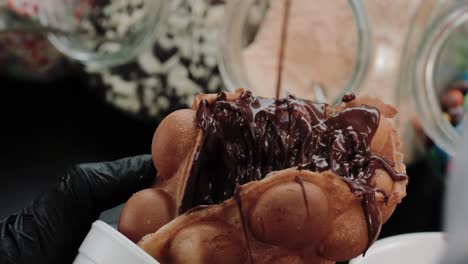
(348,97)
(282,49)
(245,139)
(304,194)
(244,225)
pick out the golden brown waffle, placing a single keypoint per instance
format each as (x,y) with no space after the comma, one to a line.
(291,216)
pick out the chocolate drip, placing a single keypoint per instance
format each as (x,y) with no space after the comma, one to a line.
(245,139)
(194,186)
(282,49)
(380,163)
(221,96)
(348,97)
(244,225)
(304,195)
(372,216)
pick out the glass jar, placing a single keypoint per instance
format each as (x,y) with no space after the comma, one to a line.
(249,43)
(434,58)
(98,33)
(355,46)
(103,32)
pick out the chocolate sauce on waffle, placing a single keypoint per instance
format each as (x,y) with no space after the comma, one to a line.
(245,139)
(304,194)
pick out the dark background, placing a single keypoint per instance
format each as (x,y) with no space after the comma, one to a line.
(47,127)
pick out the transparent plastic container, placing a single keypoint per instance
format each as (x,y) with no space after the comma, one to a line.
(105,245)
(427,248)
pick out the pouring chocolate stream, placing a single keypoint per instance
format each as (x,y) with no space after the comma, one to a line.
(282,48)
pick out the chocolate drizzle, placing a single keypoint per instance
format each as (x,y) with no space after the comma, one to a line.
(282,48)
(245,139)
(304,194)
(348,97)
(244,225)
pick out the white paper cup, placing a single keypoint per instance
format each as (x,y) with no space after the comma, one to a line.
(105,245)
(415,248)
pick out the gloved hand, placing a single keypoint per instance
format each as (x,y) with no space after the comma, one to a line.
(52,227)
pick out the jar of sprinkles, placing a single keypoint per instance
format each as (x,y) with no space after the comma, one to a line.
(94,32)
(28,54)
(434,77)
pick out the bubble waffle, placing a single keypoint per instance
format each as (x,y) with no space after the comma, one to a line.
(244,179)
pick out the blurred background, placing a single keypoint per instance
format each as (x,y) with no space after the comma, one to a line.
(77,97)
(58,112)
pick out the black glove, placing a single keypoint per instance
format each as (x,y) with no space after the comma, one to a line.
(52,227)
